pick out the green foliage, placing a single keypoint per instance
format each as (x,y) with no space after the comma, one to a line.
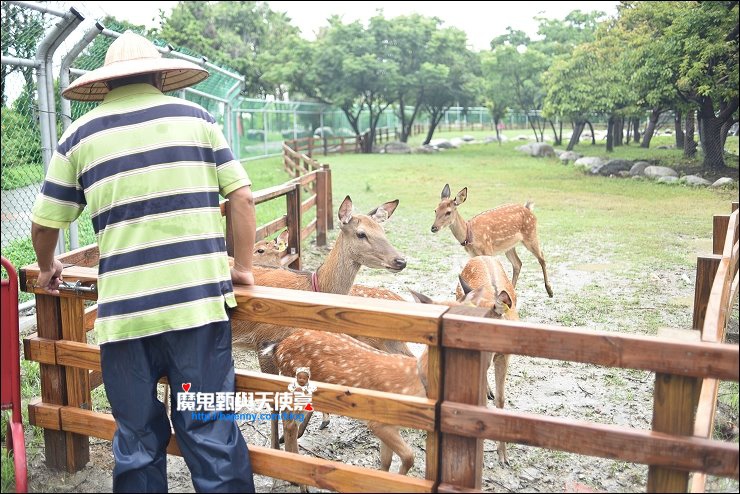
(21,160)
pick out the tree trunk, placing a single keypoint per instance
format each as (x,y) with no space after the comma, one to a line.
(636,129)
(498,133)
(610,134)
(711,143)
(558,138)
(678,125)
(435,118)
(652,122)
(576,136)
(689,144)
(628,134)
(534,129)
(726,130)
(618,131)
(593,136)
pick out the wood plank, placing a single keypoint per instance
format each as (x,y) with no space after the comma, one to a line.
(308,203)
(455,488)
(278,464)
(706,269)
(593,347)
(41,350)
(720,224)
(390,319)
(264,195)
(309,229)
(320,201)
(674,406)
(87,256)
(91,313)
(434,392)
(53,382)
(587,438)
(407,411)
(329,197)
(716,317)
(270,228)
(464,382)
(293,209)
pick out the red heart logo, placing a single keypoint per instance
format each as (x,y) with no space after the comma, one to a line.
(186,387)
(308,408)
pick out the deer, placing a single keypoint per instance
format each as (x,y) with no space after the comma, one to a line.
(339,359)
(267,253)
(484,283)
(361,242)
(493,231)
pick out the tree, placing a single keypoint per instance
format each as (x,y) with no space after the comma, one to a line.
(232,34)
(454,78)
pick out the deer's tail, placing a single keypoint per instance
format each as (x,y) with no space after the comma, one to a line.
(529,205)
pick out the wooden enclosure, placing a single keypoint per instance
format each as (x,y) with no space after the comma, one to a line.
(454,414)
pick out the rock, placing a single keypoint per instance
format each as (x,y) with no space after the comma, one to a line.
(468,138)
(397,148)
(659,171)
(525,148)
(568,156)
(456,142)
(667,179)
(613,167)
(427,149)
(323,131)
(541,149)
(694,181)
(441,144)
(588,162)
(639,168)
(723,182)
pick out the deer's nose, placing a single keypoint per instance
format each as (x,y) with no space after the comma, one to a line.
(434,229)
(399,263)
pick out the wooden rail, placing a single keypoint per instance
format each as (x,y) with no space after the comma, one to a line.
(454,415)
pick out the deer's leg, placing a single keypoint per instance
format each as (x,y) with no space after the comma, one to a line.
(324,422)
(304,424)
(386,456)
(389,435)
(500,366)
(267,365)
(489,392)
(533,245)
(290,428)
(516,263)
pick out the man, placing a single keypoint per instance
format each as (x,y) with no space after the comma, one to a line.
(150,168)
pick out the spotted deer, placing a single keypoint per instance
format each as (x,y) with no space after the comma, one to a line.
(484,283)
(342,360)
(267,253)
(361,242)
(493,231)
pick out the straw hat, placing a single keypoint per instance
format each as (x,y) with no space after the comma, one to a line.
(129,55)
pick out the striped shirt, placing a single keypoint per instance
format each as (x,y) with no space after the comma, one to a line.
(150,169)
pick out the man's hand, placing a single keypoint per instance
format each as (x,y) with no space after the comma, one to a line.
(242,276)
(50,277)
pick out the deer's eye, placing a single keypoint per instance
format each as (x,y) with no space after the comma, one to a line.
(361,235)
(260,251)
(447,213)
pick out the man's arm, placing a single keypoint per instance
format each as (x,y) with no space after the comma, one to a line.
(244,224)
(44,241)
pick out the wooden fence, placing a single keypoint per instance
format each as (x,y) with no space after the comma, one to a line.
(339,144)
(454,414)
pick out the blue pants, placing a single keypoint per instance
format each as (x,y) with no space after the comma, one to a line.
(214,450)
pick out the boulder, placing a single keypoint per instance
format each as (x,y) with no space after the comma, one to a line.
(397,148)
(639,168)
(468,138)
(613,167)
(659,171)
(694,181)
(456,142)
(588,162)
(723,182)
(541,149)
(667,179)
(441,144)
(569,156)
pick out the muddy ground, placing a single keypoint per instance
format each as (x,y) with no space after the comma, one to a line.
(591,292)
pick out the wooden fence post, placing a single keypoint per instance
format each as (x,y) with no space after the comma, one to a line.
(321,213)
(293,207)
(464,382)
(706,269)
(329,198)
(63,450)
(720,224)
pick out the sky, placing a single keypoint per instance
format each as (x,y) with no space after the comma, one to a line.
(482,21)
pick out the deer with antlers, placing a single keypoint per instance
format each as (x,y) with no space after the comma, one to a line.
(493,231)
(342,360)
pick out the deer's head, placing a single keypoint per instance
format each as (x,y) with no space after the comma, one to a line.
(445,212)
(364,239)
(500,306)
(269,252)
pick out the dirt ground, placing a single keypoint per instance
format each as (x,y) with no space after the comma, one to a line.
(618,298)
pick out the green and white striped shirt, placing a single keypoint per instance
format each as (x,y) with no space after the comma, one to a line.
(150,169)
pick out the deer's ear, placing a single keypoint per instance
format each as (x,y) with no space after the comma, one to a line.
(282,238)
(421,298)
(384,211)
(446,192)
(464,285)
(345,211)
(281,245)
(503,303)
(461,196)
